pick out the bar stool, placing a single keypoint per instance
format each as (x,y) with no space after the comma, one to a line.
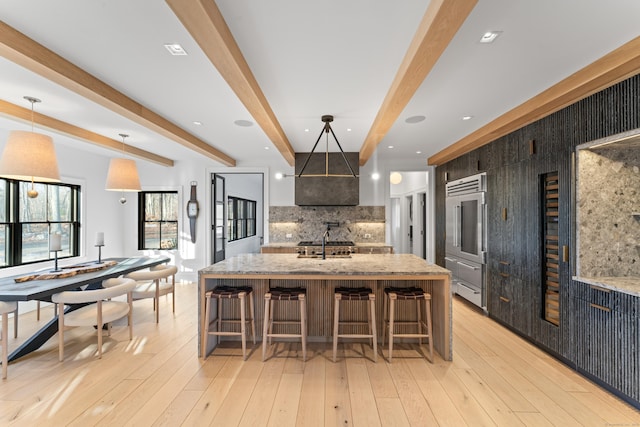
(284,294)
(418,295)
(240,293)
(355,294)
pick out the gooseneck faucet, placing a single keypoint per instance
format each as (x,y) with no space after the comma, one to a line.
(325,235)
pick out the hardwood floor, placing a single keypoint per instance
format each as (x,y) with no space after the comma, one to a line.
(496,378)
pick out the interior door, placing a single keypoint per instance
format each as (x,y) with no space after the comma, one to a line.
(219,220)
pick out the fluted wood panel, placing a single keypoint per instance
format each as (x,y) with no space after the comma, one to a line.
(609,112)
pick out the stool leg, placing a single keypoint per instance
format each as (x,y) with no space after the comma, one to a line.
(270,320)
(253,317)
(205,333)
(385,298)
(218,320)
(427,307)
(392,300)
(243,325)
(419,314)
(336,317)
(372,325)
(303,325)
(265,325)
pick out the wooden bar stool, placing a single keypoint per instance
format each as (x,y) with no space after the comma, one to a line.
(355,294)
(214,327)
(392,295)
(284,294)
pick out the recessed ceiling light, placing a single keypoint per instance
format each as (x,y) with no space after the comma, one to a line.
(175,49)
(266,148)
(414,119)
(197,123)
(306,130)
(418,152)
(489,36)
(375,176)
(348,129)
(243,123)
(390,146)
(467,117)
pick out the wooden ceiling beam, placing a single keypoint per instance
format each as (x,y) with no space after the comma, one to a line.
(46,122)
(26,52)
(439,25)
(205,23)
(612,68)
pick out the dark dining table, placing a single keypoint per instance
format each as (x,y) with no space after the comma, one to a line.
(42,290)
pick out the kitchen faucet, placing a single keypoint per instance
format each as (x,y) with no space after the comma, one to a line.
(325,236)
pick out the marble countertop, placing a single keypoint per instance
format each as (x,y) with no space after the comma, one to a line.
(357,265)
(627,285)
(295,244)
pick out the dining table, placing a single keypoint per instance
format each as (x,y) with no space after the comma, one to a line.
(41,285)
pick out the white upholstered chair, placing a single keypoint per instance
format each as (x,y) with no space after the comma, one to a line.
(149,284)
(5,309)
(99,311)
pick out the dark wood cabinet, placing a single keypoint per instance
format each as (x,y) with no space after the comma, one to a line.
(607,328)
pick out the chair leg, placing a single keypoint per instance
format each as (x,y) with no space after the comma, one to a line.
(5,343)
(218,317)
(427,307)
(157,301)
(419,314)
(100,324)
(253,316)
(270,319)
(336,318)
(385,303)
(243,326)
(372,326)
(130,315)
(15,321)
(303,325)
(173,292)
(205,334)
(392,300)
(61,332)
(265,325)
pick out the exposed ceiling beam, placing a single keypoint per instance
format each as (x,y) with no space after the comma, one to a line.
(205,23)
(26,52)
(439,25)
(612,68)
(24,114)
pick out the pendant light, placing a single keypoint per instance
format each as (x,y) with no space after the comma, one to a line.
(327,119)
(123,174)
(29,156)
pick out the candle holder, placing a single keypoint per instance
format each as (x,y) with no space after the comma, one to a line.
(55,265)
(99,254)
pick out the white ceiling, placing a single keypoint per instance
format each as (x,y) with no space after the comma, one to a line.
(310,58)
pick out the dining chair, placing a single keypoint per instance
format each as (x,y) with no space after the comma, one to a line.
(149,284)
(6,307)
(96,309)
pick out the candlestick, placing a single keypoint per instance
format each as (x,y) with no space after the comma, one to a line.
(99,254)
(55,242)
(100,238)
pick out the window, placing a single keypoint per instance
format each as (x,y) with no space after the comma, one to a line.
(158,225)
(26,223)
(241,218)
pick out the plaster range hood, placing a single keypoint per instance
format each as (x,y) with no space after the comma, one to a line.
(327,180)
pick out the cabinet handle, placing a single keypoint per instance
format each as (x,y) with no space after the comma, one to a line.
(599,307)
(565,253)
(504,262)
(468,266)
(599,288)
(504,214)
(504,274)
(503,299)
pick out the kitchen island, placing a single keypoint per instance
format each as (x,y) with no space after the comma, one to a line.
(320,276)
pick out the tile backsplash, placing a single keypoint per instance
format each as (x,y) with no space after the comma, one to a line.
(361,224)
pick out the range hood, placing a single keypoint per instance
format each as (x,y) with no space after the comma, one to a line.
(327,180)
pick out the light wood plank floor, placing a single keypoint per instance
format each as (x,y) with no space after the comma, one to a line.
(496,378)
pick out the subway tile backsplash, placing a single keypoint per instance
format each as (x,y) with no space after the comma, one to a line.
(361,224)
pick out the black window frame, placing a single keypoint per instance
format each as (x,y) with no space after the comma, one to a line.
(13,224)
(142,221)
(241,218)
